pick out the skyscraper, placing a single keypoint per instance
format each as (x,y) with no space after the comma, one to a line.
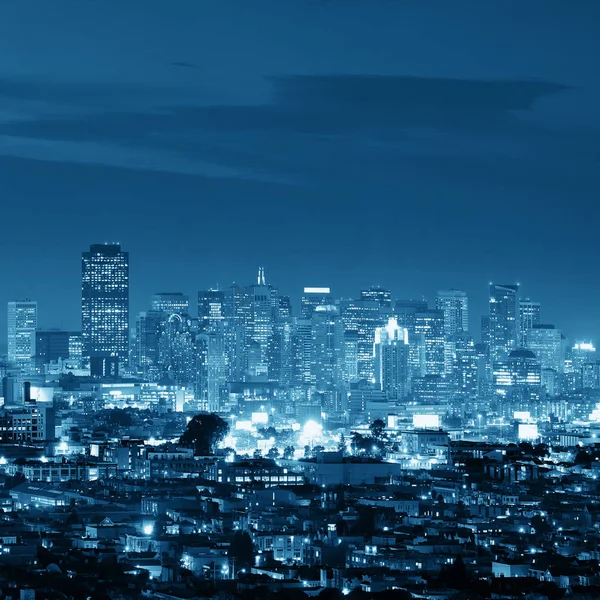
(363,317)
(545,341)
(455,306)
(503,324)
(172,303)
(105,307)
(392,373)
(327,361)
(377,294)
(429,324)
(211,309)
(529,316)
(405,311)
(313,297)
(22,325)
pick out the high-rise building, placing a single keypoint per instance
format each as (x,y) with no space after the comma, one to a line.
(576,358)
(529,316)
(327,360)
(22,325)
(429,324)
(211,309)
(148,329)
(262,317)
(212,369)
(313,297)
(171,303)
(465,367)
(379,295)
(392,373)
(177,350)
(503,326)
(52,345)
(405,310)
(455,306)
(301,351)
(363,317)
(545,341)
(105,307)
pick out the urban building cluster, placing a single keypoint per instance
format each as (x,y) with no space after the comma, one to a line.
(228,445)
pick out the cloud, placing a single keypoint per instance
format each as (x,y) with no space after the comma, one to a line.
(310,128)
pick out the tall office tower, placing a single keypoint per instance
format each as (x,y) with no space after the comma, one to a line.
(105,307)
(465,370)
(363,317)
(148,330)
(576,357)
(22,325)
(405,311)
(171,303)
(313,297)
(75,347)
(545,341)
(281,352)
(590,376)
(430,325)
(486,339)
(379,295)
(455,306)
(211,386)
(392,373)
(261,326)
(327,360)
(52,345)
(302,351)
(238,312)
(211,309)
(351,357)
(525,390)
(285,307)
(177,350)
(529,316)
(503,332)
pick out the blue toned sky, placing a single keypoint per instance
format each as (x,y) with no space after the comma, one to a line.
(415,145)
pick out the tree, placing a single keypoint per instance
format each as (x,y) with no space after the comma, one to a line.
(273,453)
(526,448)
(241,550)
(204,432)
(317,450)
(257,454)
(583,458)
(377,428)
(288,452)
(540,524)
(358,443)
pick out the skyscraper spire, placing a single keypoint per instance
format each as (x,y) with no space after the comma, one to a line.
(261,276)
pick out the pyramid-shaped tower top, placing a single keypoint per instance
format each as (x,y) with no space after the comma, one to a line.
(261,276)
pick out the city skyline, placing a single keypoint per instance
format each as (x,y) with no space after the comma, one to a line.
(205,169)
(478,303)
(300,299)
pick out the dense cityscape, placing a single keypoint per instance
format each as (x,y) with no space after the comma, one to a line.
(233,445)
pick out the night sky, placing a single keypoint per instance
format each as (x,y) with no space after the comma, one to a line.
(415,145)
